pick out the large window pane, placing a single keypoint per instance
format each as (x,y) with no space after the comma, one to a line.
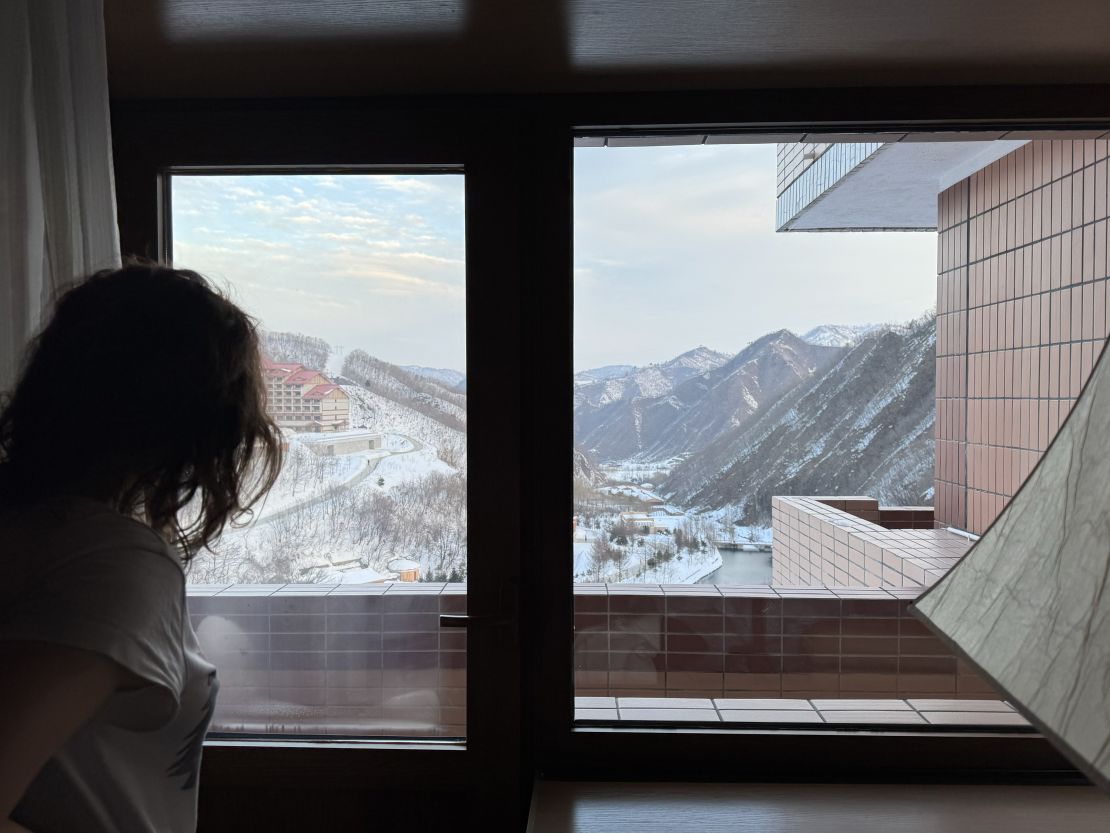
(783,437)
(322,610)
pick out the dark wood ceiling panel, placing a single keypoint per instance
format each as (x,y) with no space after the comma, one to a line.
(204,48)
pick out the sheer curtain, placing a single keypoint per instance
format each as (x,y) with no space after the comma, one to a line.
(1029,605)
(57,202)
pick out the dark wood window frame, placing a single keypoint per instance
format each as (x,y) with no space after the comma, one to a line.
(517,155)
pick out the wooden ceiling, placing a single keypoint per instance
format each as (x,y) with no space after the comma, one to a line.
(266,48)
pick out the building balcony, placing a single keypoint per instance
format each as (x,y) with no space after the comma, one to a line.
(849,541)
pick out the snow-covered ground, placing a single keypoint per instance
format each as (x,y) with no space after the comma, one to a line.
(400,469)
(305,476)
(350,514)
(684,567)
(377,413)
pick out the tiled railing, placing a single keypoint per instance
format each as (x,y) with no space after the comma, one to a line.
(372,660)
(716,641)
(846,541)
(365,660)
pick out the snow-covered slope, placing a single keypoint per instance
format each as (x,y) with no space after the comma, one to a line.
(310,351)
(839,335)
(418,393)
(381,413)
(444,375)
(679,407)
(598,374)
(864,425)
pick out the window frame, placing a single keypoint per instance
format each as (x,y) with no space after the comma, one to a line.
(676,753)
(517,154)
(153,141)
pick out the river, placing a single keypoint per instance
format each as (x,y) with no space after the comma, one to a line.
(739,567)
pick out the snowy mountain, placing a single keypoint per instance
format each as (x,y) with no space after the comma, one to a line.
(681,406)
(444,375)
(586,470)
(309,351)
(599,374)
(839,335)
(418,393)
(862,425)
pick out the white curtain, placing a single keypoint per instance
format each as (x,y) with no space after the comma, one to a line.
(57,201)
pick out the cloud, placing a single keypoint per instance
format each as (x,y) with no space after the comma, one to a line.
(676,246)
(351,259)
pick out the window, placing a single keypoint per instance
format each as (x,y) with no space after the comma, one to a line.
(322,611)
(782,438)
(518,230)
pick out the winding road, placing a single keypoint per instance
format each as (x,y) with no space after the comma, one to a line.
(358,477)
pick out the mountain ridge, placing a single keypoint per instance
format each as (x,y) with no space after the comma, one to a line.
(679,406)
(864,425)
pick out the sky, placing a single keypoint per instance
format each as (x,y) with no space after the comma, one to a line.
(674,248)
(375,262)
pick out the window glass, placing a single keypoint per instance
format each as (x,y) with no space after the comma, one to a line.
(807,375)
(321,610)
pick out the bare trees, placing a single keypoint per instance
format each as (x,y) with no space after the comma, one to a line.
(602,553)
(309,351)
(452,452)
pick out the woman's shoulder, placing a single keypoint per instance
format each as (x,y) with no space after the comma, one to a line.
(71,527)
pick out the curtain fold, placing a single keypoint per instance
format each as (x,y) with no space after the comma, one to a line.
(57,198)
(1029,605)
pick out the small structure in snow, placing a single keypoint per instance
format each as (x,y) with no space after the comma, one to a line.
(405,568)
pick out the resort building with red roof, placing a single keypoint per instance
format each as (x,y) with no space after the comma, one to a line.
(303,399)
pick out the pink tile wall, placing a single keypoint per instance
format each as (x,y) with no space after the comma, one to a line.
(833,541)
(1022,314)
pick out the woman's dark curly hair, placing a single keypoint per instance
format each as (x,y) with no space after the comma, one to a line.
(145,389)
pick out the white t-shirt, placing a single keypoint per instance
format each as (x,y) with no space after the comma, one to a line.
(77,573)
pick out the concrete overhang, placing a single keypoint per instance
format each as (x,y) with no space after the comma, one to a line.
(891,187)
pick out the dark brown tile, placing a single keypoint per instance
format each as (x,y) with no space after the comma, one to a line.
(753,644)
(695,662)
(813,626)
(810,664)
(627,603)
(811,609)
(694,624)
(694,643)
(753,664)
(886,645)
(752,606)
(794,644)
(702,605)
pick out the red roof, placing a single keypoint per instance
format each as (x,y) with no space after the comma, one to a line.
(270,364)
(320,391)
(301,376)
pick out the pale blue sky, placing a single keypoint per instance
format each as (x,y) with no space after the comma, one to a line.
(674,247)
(369,261)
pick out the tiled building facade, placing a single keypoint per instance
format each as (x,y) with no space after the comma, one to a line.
(1021,316)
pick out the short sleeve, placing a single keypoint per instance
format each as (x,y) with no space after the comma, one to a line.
(122,596)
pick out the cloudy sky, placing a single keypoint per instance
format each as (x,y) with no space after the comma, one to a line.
(674,247)
(373,262)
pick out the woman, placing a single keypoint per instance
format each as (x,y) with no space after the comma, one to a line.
(136,432)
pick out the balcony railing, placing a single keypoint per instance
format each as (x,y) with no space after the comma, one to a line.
(372,660)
